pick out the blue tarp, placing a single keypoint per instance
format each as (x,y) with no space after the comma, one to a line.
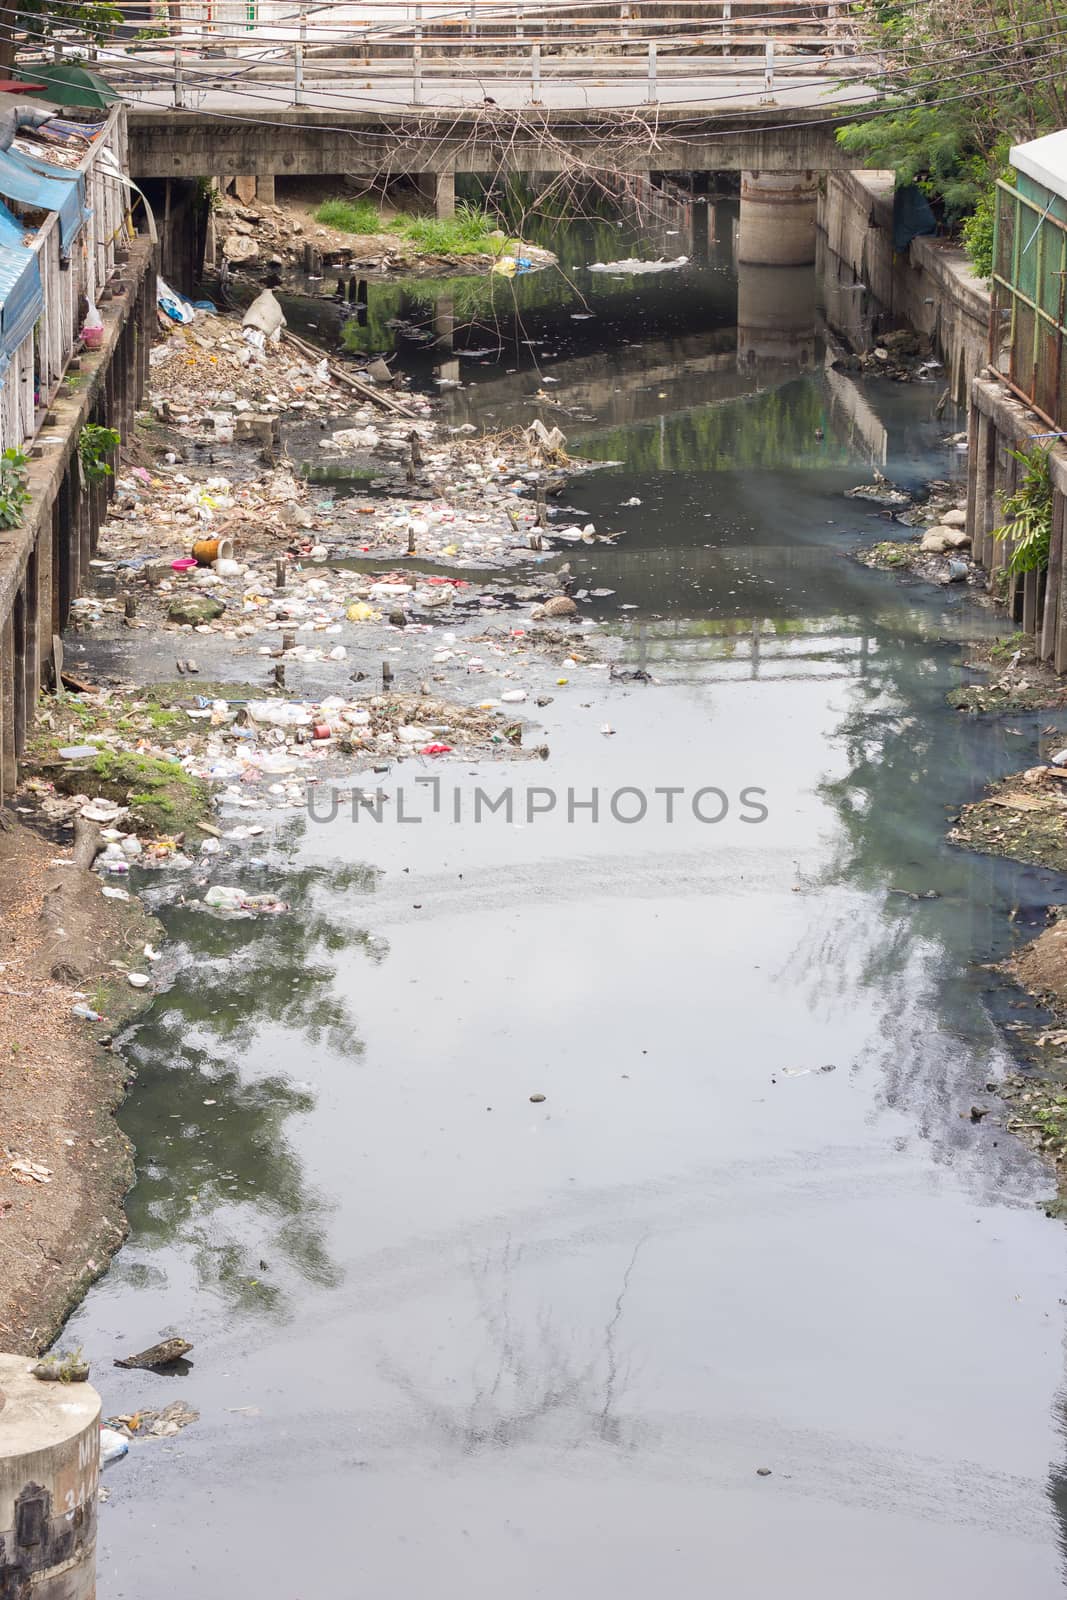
(47,190)
(21,297)
(911,216)
(12,231)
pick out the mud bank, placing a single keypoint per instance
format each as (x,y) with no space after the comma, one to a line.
(65,1166)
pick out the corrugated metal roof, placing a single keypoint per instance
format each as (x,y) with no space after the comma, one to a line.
(1044,160)
(54,190)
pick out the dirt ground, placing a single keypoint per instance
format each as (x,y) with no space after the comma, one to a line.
(64,1164)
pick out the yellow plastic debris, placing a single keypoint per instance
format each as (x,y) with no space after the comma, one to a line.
(360,611)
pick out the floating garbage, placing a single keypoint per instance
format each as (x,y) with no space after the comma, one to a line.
(113,1446)
(631,265)
(232,901)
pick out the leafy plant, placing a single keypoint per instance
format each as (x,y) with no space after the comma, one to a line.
(14,495)
(978,228)
(95,444)
(44,19)
(1028,514)
(964,80)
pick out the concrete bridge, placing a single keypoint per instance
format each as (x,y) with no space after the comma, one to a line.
(780,152)
(430,90)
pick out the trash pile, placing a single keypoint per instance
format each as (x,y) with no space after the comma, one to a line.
(942,554)
(208,368)
(450,493)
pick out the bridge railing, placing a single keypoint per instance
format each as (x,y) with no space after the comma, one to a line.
(217,45)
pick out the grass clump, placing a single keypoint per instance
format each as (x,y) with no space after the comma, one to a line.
(161,795)
(350,216)
(471,231)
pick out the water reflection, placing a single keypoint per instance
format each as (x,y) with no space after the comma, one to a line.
(218,1077)
(532,1380)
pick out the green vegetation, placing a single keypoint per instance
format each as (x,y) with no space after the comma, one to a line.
(1028,514)
(95,20)
(963,84)
(1004,649)
(95,444)
(14,495)
(888,553)
(471,231)
(350,216)
(162,796)
(978,228)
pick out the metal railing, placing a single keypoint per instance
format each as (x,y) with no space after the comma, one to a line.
(287,50)
(1028,326)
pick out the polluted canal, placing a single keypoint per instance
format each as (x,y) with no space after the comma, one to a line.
(581,1192)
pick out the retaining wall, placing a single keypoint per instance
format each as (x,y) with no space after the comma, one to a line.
(930,287)
(44,561)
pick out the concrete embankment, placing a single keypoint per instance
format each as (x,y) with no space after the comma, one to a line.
(869,285)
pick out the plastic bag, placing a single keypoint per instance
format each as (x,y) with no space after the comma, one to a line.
(175,305)
(113,1446)
(93,329)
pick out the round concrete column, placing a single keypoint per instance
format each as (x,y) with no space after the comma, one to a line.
(776,225)
(776,316)
(49,1469)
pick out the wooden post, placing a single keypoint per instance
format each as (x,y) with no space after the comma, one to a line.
(1059,538)
(985,471)
(1050,620)
(1031,582)
(8,765)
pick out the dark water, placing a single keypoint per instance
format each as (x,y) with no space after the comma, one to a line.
(450,1340)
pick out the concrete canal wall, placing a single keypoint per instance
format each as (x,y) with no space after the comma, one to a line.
(869,286)
(43,561)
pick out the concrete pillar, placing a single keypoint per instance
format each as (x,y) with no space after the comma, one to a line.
(444,322)
(437,190)
(776,316)
(985,468)
(49,1469)
(777,223)
(245,190)
(265,190)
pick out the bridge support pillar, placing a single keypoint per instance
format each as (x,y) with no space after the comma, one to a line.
(49,1471)
(777,222)
(775,317)
(438,190)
